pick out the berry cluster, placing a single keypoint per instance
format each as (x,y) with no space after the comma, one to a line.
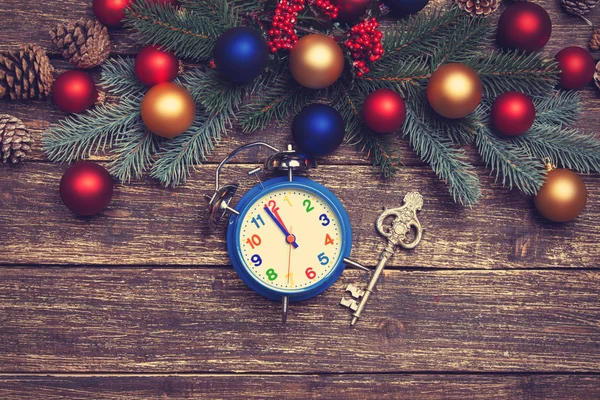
(282,35)
(364,43)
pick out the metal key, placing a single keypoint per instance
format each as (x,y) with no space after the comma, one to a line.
(404,221)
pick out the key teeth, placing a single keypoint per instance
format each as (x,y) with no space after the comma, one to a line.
(355,291)
(350,303)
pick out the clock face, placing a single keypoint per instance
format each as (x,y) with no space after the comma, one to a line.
(290,239)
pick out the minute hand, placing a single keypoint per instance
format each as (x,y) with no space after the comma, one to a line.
(280,225)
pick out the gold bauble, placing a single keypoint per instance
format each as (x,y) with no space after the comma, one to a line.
(316,61)
(454,90)
(563,196)
(168,110)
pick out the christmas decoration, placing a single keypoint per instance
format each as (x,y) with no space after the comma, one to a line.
(454,90)
(111,12)
(579,7)
(168,110)
(364,43)
(524,26)
(15,140)
(597,75)
(402,7)
(86,188)
(577,66)
(74,91)
(513,113)
(241,54)
(25,73)
(384,111)
(478,7)
(275,95)
(85,43)
(318,129)
(562,197)
(595,40)
(350,10)
(153,65)
(316,61)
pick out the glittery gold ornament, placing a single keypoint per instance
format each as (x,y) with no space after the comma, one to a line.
(454,90)
(168,110)
(563,196)
(316,61)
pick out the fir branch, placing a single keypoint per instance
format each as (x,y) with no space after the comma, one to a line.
(567,148)
(186,33)
(557,109)
(80,136)
(179,155)
(397,77)
(214,93)
(283,96)
(133,153)
(511,161)
(119,78)
(464,42)
(448,162)
(506,71)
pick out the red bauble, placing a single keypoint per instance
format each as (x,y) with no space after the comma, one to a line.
(86,188)
(524,26)
(111,12)
(513,113)
(154,66)
(384,111)
(351,10)
(577,66)
(74,91)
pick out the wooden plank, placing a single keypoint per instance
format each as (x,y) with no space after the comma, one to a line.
(147,224)
(199,320)
(302,387)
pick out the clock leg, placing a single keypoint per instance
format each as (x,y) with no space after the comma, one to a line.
(354,264)
(286,302)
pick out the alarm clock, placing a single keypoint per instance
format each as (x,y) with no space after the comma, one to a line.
(289,238)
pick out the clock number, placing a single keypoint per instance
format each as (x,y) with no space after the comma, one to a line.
(287,199)
(328,240)
(254,241)
(273,206)
(256,219)
(323,259)
(323,217)
(271,274)
(256,260)
(306,203)
(310,273)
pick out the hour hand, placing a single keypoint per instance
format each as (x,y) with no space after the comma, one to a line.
(291,239)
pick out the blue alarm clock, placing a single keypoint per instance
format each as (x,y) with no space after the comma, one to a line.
(288,238)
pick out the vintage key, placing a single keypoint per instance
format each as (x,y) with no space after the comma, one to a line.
(404,221)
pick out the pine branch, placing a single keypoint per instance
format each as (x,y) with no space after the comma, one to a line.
(133,153)
(510,161)
(187,33)
(507,71)
(213,93)
(179,155)
(447,161)
(464,43)
(119,78)
(567,148)
(557,109)
(80,136)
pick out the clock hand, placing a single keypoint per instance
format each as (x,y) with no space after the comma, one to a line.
(291,239)
(289,263)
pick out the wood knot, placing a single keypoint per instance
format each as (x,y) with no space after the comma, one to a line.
(392,329)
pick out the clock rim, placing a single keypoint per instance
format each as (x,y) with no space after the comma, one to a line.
(249,199)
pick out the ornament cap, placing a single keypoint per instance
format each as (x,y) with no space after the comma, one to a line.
(548,164)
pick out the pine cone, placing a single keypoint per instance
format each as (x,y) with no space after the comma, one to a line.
(25,73)
(478,7)
(595,40)
(579,7)
(15,140)
(85,44)
(597,75)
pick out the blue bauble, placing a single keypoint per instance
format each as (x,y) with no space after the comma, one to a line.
(241,54)
(318,129)
(403,7)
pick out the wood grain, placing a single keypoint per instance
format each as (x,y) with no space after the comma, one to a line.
(303,387)
(147,224)
(200,320)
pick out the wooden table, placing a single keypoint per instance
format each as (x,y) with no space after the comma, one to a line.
(141,301)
